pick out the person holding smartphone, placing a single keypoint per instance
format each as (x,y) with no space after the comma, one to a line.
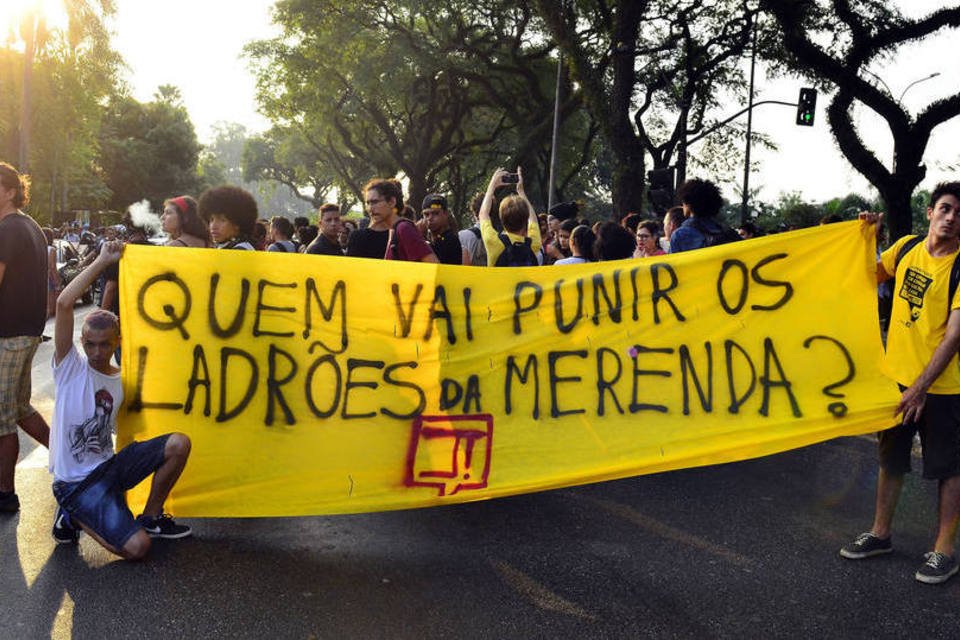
(518,243)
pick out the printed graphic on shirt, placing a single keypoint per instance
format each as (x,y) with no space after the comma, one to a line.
(92,436)
(913,289)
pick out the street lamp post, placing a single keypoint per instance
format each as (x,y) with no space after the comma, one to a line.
(893,164)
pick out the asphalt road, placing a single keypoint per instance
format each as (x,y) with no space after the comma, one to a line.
(744,550)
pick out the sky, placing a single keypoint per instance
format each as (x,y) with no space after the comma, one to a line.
(196,45)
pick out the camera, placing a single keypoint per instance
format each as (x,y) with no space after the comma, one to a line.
(510,178)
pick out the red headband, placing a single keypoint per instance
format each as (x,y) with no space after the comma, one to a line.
(180,203)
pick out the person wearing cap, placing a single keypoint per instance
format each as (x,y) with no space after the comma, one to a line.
(182,224)
(443,236)
(231,213)
(327,242)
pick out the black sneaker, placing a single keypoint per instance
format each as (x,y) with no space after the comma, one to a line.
(865,546)
(9,503)
(63,530)
(163,526)
(938,568)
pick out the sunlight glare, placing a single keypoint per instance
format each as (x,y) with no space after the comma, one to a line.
(12,11)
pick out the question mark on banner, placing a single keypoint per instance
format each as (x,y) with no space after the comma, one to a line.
(838,409)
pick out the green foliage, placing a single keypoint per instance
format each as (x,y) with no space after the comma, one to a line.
(222,161)
(438,93)
(836,44)
(65,75)
(148,150)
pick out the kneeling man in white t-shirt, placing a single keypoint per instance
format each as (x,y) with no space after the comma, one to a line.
(90,480)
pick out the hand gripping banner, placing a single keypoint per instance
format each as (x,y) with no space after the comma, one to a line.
(314,384)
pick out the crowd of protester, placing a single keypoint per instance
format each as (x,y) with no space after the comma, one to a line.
(62,264)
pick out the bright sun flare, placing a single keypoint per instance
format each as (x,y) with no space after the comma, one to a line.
(12,11)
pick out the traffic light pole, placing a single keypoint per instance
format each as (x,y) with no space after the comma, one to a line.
(724,123)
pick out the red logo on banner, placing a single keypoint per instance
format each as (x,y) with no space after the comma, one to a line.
(450,453)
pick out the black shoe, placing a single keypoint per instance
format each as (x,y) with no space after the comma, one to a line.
(865,546)
(63,530)
(9,503)
(163,526)
(938,568)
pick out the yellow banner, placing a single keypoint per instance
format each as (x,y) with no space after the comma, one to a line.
(315,384)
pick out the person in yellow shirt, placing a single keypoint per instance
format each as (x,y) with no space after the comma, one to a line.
(519,242)
(921,356)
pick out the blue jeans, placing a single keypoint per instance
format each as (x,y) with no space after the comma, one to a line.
(99,501)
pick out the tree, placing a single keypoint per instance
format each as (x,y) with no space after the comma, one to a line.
(440,93)
(652,72)
(222,161)
(861,32)
(148,150)
(58,85)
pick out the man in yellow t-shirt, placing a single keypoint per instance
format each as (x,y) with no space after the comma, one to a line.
(521,228)
(921,357)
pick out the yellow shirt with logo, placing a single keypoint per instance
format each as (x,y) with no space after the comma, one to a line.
(918,320)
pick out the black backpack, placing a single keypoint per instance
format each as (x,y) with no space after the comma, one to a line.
(886,304)
(725,235)
(516,254)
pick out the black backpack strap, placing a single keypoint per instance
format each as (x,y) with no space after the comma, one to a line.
(954,281)
(954,271)
(904,250)
(393,237)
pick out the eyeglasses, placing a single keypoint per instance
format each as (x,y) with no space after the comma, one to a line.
(644,236)
(375,201)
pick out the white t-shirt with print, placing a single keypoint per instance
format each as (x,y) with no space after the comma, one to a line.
(84,417)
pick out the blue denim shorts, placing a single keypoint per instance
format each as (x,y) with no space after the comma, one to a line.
(99,501)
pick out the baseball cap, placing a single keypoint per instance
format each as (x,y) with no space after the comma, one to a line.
(434,201)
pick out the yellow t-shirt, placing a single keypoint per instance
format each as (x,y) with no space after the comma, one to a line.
(918,320)
(491,240)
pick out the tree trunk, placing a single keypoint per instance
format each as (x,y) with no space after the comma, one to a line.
(417,191)
(899,212)
(628,177)
(25,101)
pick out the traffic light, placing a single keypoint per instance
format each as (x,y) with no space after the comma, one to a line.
(806,107)
(660,189)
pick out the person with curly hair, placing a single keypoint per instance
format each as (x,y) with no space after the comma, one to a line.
(231,213)
(701,201)
(384,200)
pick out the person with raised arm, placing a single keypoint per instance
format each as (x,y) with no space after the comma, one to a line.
(90,479)
(517,245)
